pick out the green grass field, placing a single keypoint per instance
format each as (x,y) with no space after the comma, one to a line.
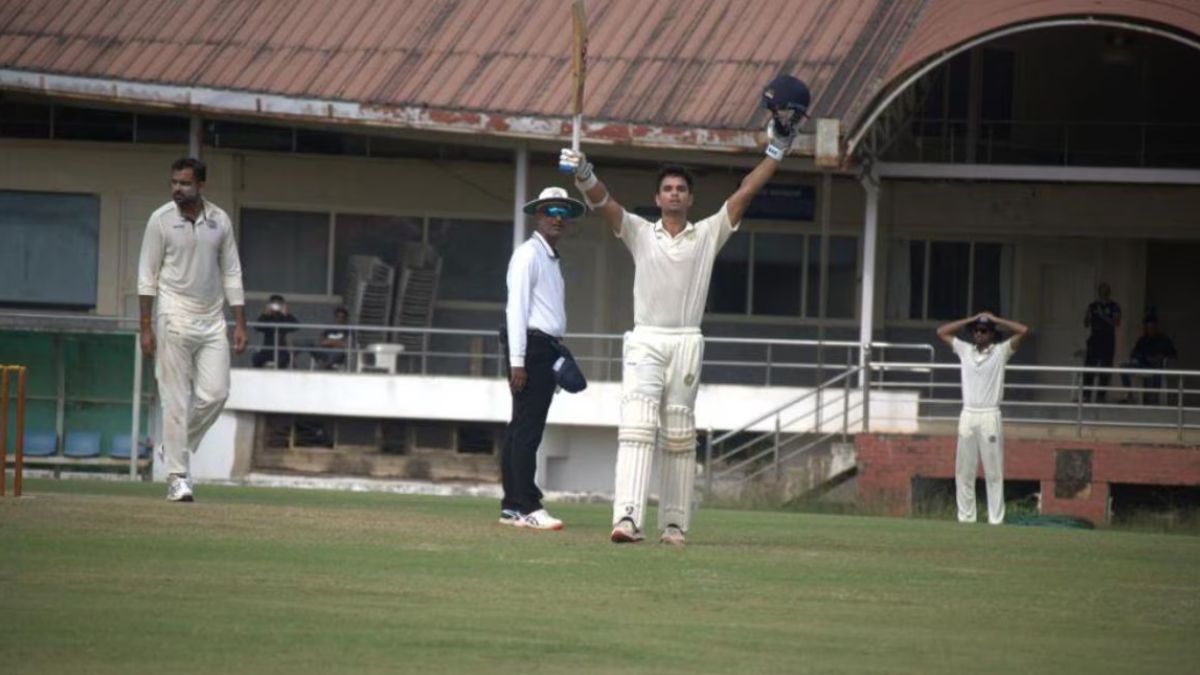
(102,577)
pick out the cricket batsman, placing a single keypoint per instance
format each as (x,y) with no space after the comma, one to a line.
(189,263)
(673,261)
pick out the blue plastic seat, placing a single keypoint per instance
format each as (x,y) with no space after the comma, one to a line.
(41,443)
(121,447)
(82,444)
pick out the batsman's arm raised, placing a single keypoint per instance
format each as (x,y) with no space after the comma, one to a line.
(777,148)
(595,193)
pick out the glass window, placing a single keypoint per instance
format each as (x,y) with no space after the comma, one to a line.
(48,249)
(249,136)
(727,288)
(19,119)
(842,276)
(948,270)
(475,257)
(330,143)
(381,236)
(284,251)
(92,124)
(778,274)
(916,277)
(161,129)
(993,277)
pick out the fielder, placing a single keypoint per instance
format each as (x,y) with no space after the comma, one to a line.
(673,260)
(980,428)
(189,262)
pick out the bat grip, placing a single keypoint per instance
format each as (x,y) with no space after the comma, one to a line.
(576,122)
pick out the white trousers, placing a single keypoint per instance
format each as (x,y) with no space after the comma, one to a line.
(980,435)
(660,378)
(192,368)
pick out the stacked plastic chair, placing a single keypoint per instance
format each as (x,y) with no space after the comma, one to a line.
(369,292)
(415,295)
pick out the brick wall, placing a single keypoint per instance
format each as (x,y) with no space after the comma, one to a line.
(1074,475)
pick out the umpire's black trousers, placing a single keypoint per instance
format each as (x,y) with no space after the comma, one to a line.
(518,459)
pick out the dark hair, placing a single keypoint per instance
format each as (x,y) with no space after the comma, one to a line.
(276,298)
(674,170)
(199,170)
(341,310)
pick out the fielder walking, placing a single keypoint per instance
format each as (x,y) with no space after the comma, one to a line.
(535,318)
(189,263)
(980,427)
(673,261)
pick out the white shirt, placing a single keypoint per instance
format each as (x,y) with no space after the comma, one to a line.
(536,296)
(982,374)
(671,274)
(192,268)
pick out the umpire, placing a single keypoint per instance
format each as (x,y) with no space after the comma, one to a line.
(536,319)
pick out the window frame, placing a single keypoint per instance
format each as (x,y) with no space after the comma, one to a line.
(924,321)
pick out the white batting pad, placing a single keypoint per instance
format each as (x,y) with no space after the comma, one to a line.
(678,471)
(635,457)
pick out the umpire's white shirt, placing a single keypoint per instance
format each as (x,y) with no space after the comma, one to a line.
(671,274)
(536,296)
(982,374)
(192,268)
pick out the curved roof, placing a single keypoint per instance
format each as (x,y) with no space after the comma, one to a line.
(678,74)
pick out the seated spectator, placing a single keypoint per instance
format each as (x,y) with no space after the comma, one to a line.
(276,312)
(333,339)
(1151,351)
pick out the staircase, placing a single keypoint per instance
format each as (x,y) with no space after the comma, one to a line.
(801,446)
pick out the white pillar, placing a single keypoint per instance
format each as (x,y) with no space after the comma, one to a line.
(195,136)
(870,183)
(519,197)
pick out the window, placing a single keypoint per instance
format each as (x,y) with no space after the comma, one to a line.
(285,251)
(945,280)
(21,119)
(48,249)
(381,236)
(475,257)
(92,124)
(289,251)
(777,274)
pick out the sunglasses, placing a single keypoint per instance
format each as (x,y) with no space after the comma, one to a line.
(557,211)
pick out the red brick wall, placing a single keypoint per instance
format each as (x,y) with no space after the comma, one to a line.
(888,463)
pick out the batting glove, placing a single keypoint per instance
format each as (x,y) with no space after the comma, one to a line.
(778,144)
(573,161)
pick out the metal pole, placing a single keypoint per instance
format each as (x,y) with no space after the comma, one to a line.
(135,442)
(195,136)
(521,160)
(1179,407)
(870,183)
(846,399)
(778,470)
(1079,407)
(768,365)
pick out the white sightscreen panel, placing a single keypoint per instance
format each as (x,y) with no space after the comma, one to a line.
(48,248)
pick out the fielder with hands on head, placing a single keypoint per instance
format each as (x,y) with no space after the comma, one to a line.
(535,319)
(189,263)
(673,260)
(980,427)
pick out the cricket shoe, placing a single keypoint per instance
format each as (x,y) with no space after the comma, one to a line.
(178,489)
(625,532)
(542,520)
(512,518)
(672,536)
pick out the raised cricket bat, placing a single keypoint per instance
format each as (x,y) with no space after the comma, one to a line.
(578,72)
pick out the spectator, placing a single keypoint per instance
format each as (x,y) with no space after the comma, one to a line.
(334,339)
(1151,351)
(1102,318)
(275,341)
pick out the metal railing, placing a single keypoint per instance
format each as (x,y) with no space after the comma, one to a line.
(796,427)
(1059,395)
